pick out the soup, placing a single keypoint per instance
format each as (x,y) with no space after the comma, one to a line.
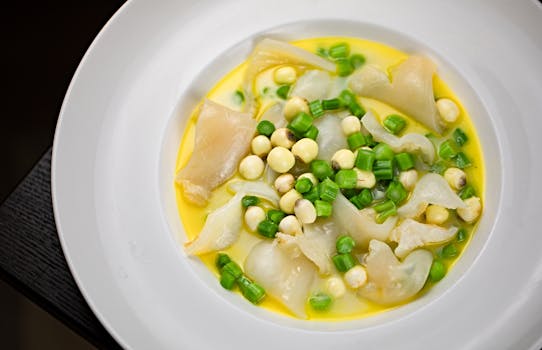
(329,178)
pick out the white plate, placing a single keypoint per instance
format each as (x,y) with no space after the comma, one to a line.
(121,123)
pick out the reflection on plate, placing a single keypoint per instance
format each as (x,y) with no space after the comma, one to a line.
(115,150)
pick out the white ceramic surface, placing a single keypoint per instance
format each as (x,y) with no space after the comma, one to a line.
(120,126)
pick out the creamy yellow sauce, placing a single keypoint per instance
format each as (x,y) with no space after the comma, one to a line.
(193,217)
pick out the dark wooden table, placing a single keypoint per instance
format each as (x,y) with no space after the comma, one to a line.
(45,43)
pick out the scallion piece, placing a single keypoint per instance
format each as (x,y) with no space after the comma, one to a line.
(344,67)
(312,195)
(356,109)
(439,167)
(252,291)
(320,301)
(323,209)
(384,206)
(233,269)
(365,159)
(462,235)
(303,185)
(355,140)
(347,97)
(345,244)
(404,161)
(383,152)
(462,161)
(248,201)
(238,97)
(380,218)
(301,123)
(328,190)
(227,280)
(349,192)
(275,215)
(363,199)
(265,127)
(268,228)
(316,108)
(446,150)
(346,178)
(321,169)
(344,262)
(322,52)
(467,192)
(437,271)
(334,103)
(394,123)
(357,60)
(449,251)
(312,133)
(396,192)
(282,91)
(341,50)
(460,137)
(370,140)
(383,169)
(221,260)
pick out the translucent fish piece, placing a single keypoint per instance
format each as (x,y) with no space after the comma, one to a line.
(410,89)
(411,234)
(391,281)
(222,139)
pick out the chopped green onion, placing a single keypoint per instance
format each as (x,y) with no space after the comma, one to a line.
(384,206)
(323,209)
(349,192)
(363,199)
(282,91)
(462,235)
(328,190)
(301,123)
(275,215)
(233,269)
(365,159)
(394,123)
(462,161)
(341,50)
(449,251)
(347,97)
(303,185)
(404,160)
(370,140)
(437,271)
(320,301)
(383,152)
(312,133)
(356,109)
(312,195)
(355,140)
(344,262)
(238,97)
(446,150)
(357,60)
(248,201)
(322,52)
(221,260)
(268,228)
(334,103)
(265,127)
(346,178)
(344,67)
(467,192)
(227,280)
(321,169)
(380,218)
(439,167)
(345,244)
(460,137)
(252,291)
(316,108)
(396,192)
(383,169)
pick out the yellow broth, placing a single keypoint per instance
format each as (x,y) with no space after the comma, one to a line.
(350,306)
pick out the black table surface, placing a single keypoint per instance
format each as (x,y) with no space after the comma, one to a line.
(31,258)
(43,45)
